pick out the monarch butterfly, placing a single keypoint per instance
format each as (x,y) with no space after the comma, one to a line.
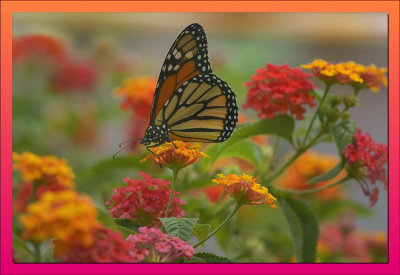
(190,103)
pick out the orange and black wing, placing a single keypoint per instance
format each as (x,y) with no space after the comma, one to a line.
(202,109)
(187,58)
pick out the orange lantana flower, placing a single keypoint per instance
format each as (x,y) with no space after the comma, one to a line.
(177,157)
(138,94)
(245,190)
(307,166)
(46,169)
(65,216)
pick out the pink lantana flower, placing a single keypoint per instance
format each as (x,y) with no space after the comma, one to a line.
(367,161)
(151,245)
(279,90)
(144,201)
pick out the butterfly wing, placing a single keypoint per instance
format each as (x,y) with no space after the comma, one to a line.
(203,109)
(187,58)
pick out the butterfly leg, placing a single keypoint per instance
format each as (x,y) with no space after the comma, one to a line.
(169,138)
(151,151)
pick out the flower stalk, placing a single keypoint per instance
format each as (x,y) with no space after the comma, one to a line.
(313,190)
(171,197)
(237,207)
(327,87)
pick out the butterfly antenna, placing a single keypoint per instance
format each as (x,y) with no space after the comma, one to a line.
(126,144)
(130,141)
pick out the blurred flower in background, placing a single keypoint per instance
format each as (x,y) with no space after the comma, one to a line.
(138,96)
(144,201)
(65,216)
(38,46)
(75,76)
(279,90)
(39,175)
(309,165)
(341,241)
(108,247)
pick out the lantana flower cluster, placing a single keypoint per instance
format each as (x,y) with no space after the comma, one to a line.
(367,160)
(245,190)
(108,247)
(65,216)
(67,73)
(144,200)
(309,165)
(176,155)
(138,95)
(279,90)
(151,245)
(47,169)
(348,73)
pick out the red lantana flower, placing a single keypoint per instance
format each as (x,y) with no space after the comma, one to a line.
(151,245)
(279,90)
(144,201)
(108,247)
(367,161)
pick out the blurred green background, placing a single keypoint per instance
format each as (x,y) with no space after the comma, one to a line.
(81,120)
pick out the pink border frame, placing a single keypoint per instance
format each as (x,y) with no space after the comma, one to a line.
(8,7)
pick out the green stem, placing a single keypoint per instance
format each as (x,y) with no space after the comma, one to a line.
(313,190)
(171,197)
(316,113)
(274,150)
(294,157)
(36,252)
(238,205)
(283,167)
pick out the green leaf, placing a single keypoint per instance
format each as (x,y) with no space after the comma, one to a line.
(343,133)
(107,171)
(328,175)
(125,231)
(282,125)
(200,231)
(128,223)
(181,228)
(104,217)
(205,257)
(332,208)
(303,227)
(244,149)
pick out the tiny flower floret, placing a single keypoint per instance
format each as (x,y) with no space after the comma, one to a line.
(245,189)
(176,155)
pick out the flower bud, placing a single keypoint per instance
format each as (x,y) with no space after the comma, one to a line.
(350,100)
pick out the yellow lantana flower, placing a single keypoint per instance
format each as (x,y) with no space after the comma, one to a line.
(65,216)
(245,190)
(349,72)
(47,169)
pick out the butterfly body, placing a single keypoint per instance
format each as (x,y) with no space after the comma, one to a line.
(190,102)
